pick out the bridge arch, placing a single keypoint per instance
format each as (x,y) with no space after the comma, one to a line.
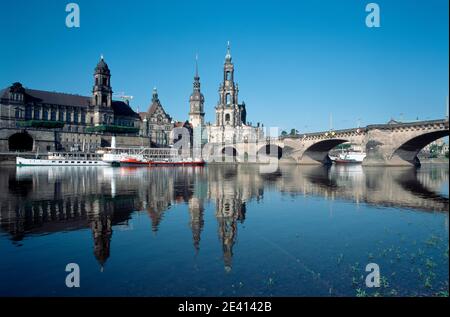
(318,152)
(408,150)
(22,142)
(270,150)
(229,154)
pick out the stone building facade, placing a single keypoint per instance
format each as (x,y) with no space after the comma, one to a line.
(156,123)
(32,120)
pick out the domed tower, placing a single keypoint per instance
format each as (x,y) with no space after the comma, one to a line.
(196,102)
(102,94)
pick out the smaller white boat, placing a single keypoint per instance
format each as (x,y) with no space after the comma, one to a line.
(64,159)
(349,158)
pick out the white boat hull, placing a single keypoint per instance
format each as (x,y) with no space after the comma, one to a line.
(20,161)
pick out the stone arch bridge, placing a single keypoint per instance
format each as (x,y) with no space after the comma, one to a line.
(394,144)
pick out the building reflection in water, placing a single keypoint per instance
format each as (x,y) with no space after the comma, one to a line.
(41,200)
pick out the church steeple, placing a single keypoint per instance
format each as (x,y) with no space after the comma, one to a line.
(196,101)
(228,110)
(228,55)
(196,77)
(102,92)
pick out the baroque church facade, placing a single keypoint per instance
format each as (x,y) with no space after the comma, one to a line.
(231,124)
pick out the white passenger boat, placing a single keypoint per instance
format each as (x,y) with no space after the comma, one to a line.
(64,159)
(349,158)
(137,156)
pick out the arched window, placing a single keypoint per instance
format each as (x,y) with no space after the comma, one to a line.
(228,76)
(228,99)
(227,118)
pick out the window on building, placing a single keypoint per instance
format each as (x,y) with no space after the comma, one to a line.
(53,115)
(83,117)
(228,99)
(61,115)
(45,114)
(227,118)
(68,116)
(228,77)
(75,117)
(28,113)
(36,115)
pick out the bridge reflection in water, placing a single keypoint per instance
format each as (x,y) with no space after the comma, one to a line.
(41,200)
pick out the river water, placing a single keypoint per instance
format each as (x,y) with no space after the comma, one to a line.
(224,230)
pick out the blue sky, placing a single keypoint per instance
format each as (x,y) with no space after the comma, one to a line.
(296,61)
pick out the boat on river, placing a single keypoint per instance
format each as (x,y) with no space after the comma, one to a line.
(63,159)
(349,158)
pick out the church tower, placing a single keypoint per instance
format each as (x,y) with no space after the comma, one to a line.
(196,102)
(102,94)
(228,110)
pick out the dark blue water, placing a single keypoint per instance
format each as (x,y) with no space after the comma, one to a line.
(224,230)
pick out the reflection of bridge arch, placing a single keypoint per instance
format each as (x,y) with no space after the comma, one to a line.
(271,150)
(20,142)
(318,152)
(408,150)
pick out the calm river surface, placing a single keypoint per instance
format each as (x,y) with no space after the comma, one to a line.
(224,231)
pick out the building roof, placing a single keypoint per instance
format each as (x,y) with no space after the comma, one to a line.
(181,124)
(121,108)
(56,98)
(154,106)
